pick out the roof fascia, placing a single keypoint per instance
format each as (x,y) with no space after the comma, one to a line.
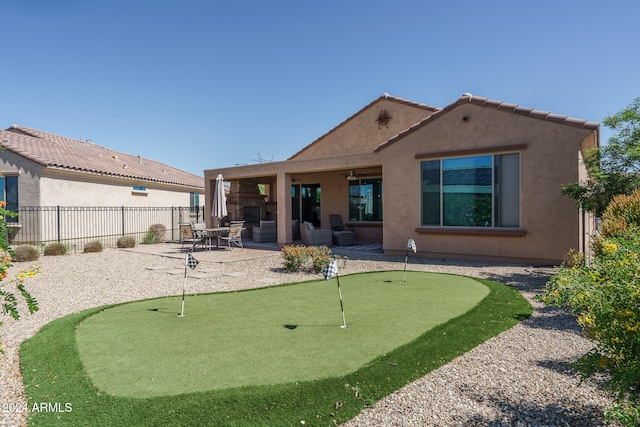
(498,105)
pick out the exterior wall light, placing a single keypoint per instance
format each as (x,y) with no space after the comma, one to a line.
(383,118)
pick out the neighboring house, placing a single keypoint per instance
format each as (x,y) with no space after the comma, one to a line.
(477,179)
(40,170)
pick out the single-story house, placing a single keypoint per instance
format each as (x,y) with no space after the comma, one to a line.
(39,169)
(477,179)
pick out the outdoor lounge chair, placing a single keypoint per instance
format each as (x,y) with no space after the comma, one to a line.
(267,232)
(190,236)
(312,236)
(341,235)
(235,235)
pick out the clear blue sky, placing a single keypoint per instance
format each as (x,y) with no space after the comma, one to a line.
(206,84)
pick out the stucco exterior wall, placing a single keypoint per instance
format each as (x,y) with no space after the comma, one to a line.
(28,174)
(361,132)
(550,159)
(74,192)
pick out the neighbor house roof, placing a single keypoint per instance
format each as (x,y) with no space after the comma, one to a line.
(497,105)
(59,152)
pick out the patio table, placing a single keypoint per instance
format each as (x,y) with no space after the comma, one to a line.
(214,232)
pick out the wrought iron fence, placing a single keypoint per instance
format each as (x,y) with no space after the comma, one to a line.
(77,225)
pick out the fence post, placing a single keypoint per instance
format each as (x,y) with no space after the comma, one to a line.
(122,211)
(172,224)
(59,223)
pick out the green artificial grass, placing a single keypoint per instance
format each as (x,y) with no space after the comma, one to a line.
(399,332)
(268,336)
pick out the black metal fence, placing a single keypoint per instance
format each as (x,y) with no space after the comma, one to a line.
(77,225)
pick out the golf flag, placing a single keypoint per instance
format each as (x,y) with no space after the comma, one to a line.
(330,270)
(410,245)
(191,262)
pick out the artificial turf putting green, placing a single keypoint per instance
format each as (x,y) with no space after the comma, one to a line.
(54,374)
(266,336)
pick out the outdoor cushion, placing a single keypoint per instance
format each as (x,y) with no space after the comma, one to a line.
(267,232)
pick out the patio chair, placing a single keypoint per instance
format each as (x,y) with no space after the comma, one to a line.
(342,235)
(267,232)
(190,236)
(295,229)
(199,229)
(312,236)
(235,235)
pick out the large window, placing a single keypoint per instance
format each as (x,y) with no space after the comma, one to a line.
(365,199)
(477,191)
(9,194)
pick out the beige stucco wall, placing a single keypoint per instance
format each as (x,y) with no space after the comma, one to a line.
(550,159)
(28,174)
(361,133)
(550,223)
(74,192)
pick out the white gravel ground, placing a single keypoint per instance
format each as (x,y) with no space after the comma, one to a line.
(519,378)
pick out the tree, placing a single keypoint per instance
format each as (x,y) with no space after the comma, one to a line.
(9,299)
(613,169)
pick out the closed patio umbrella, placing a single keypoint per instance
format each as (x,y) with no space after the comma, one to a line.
(219,209)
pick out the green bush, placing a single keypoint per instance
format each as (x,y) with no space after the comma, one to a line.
(54,249)
(621,215)
(155,234)
(574,258)
(308,258)
(126,242)
(26,253)
(94,246)
(158,231)
(605,298)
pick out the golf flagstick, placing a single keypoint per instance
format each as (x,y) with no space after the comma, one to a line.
(329,272)
(344,322)
(183,286)
(191,262)
(410,245)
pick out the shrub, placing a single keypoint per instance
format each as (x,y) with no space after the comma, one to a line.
(320,257)
(573,258)
(155,234)
(55,248)
(126,242)
(605,298)
(309,258)
(621,215)
(26,253)
(158,231)
(94,246)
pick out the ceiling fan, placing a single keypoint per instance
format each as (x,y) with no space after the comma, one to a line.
(353,176)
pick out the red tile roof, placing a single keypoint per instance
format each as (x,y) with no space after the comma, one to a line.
(54,151)
(498,105)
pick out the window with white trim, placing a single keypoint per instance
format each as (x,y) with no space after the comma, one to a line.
(474,191)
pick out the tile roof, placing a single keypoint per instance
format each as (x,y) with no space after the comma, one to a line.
(468,98)
(59,152)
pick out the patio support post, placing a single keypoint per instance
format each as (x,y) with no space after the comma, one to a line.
(284,208)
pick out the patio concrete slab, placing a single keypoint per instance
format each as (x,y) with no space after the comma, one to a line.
(221,255)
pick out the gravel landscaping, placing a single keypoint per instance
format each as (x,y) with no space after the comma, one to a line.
(521,377)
